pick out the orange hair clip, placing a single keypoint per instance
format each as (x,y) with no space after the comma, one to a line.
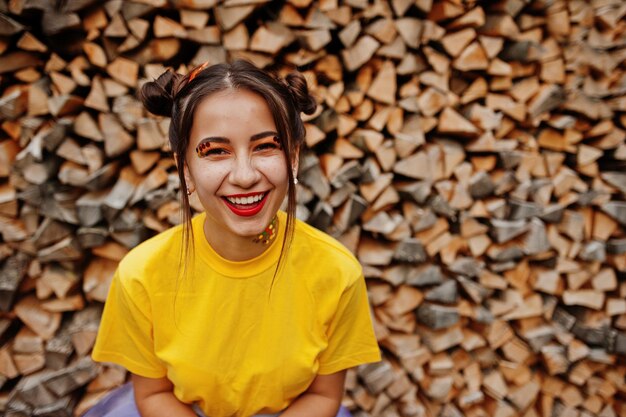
(197,70)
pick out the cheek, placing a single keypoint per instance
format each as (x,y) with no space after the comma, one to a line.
(275,169)
(210,176)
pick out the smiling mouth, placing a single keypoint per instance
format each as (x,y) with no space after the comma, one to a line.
(246,205)
(246,200)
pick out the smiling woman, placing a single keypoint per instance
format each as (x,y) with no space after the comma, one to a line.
(242,310)
(239,170)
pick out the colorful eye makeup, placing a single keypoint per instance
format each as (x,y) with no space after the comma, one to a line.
(202,149)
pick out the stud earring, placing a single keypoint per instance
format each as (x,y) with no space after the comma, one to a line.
(295,181)
(189,192)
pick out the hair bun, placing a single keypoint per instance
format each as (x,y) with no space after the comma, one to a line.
(158,96)
(300,91)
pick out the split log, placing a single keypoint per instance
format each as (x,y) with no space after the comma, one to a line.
(479,181)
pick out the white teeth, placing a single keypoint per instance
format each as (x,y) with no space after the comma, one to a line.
(246,200)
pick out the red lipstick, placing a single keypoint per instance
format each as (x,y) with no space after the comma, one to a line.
(250,209)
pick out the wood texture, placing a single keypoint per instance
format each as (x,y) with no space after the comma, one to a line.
(470,154)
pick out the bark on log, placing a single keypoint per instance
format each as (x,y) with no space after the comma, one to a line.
(471,155)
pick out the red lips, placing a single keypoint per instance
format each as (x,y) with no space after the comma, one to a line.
(246,210)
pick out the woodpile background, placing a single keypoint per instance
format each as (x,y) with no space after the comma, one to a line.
(471,153)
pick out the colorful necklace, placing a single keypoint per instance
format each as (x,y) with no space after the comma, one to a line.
(269,234)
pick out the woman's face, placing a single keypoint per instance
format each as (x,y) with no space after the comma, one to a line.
(236,164)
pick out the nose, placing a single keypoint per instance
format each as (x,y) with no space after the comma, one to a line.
(244,174)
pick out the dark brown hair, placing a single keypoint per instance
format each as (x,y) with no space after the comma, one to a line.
(177,96)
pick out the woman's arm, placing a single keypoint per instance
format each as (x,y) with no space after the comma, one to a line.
(155,398)
(321,399)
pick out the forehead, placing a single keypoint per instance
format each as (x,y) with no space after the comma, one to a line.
(235,115)
(232,108)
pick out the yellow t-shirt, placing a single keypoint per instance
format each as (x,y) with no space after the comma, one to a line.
(220,337)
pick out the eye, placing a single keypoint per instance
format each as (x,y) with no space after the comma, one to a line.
(208,149)
(266,146)
(216,151)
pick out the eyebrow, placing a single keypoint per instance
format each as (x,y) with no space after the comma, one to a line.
(255,137)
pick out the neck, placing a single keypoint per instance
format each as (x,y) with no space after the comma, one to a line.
(267,236)
(242,248)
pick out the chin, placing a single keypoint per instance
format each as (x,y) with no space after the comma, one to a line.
(252,228)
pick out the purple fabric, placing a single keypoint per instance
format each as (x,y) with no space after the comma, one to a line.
(118,403)
(121,403)
(343,412)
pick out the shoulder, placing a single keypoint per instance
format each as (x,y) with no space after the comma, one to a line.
(154,254)
(325,253)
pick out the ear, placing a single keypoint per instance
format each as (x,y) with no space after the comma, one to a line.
(295,162)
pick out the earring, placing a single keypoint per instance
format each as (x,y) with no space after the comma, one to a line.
(189,192)
(295,181)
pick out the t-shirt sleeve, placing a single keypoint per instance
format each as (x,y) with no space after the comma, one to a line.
(351,339)
(125,336)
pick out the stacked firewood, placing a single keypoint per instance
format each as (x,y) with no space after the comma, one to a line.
(472,154)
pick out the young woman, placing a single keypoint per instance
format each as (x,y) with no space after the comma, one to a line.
(242,310)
